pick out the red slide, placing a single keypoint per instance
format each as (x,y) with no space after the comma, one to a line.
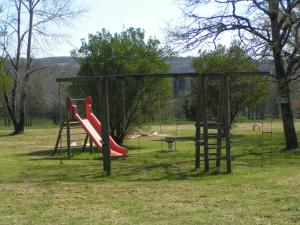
(93,127)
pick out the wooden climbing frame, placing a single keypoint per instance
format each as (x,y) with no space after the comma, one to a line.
(222,125)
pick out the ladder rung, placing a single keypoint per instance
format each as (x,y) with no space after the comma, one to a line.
(212,144)
(73,122)
(75,126)
(65,141)
(215,146)
(212,158)
(214,125)
(222,147)
(209,143)
(215,158)
(72,134)
(77,140)
(215,136)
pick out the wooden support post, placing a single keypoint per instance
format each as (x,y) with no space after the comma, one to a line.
(84,143)
(198,123)
(205,123)
(220,122)
(58,137)
(227,124)
(68,138)
(103,96)
(91,146)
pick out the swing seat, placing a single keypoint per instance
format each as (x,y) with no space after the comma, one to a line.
(170,141)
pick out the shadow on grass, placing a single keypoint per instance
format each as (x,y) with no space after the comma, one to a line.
(147,167)
(237,136)
(10,134)
(143,167)
(40,153)
(48,154)
(134,147)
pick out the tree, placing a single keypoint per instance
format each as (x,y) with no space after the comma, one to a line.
(5,80)
(270,27)
(26,28)
(244,91)
(134,101)
(5,83)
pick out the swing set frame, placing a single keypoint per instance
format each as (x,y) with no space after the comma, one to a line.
(223,125)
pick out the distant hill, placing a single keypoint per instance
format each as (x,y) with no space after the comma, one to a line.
(67,66)
(177,64)
(43,91)
(62,60)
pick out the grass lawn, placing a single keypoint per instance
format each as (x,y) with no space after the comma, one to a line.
(148,187)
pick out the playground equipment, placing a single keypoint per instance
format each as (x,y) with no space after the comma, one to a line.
(91,126)
(221,125)
(171,141)
(216,132)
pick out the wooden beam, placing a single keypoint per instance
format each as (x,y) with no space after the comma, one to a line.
(91,146)
(85,142)
(58,137)
(160,75)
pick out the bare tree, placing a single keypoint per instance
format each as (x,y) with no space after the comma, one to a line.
(27,27)
(270,27)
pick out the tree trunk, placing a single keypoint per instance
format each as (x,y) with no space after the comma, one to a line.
(119,137)
(287,118)
(282,77)
(21,124)
(18,120)
(19,128)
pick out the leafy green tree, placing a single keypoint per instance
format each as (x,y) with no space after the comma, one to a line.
(244,91)
(269,28)
(132,101)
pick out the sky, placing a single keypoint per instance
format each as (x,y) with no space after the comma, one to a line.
(117,15)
